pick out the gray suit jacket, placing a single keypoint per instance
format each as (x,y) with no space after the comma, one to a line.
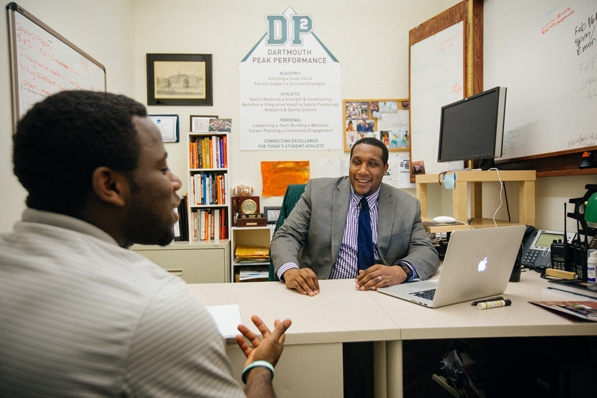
(311,236)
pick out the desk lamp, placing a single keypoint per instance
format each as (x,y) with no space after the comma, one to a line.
(591,209)
(588,205)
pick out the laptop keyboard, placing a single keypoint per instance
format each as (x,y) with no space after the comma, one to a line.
(425,294)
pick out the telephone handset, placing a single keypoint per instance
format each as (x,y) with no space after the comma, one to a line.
(536,252)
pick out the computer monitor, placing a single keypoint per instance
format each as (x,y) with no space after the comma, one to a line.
(473,128)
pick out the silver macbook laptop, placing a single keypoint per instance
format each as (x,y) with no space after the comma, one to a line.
(478,263)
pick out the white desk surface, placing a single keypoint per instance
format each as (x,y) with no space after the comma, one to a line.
(339,313)
(464,320)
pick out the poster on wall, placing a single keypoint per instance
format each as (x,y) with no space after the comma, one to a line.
(290,89)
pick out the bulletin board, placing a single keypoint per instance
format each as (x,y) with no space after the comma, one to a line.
(384,119)
(42,62)
(547,59)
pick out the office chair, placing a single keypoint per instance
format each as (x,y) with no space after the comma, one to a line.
(291,196)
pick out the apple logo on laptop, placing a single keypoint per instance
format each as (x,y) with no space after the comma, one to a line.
(482,265)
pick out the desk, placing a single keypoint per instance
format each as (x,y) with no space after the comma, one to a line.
(311,365)
(312,361)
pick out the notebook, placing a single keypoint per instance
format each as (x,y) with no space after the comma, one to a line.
(478,263)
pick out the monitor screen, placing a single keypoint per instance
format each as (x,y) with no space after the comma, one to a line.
(472,128)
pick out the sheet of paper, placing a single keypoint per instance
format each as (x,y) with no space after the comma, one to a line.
(227,318)
(393,121)
(329,168)
(399,167)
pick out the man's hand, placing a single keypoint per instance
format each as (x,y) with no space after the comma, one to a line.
(379,275)
(302,280)
(268,349)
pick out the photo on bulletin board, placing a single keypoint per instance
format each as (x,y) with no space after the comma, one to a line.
(384,119)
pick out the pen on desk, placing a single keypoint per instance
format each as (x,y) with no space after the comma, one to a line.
(488,299)
(494,304)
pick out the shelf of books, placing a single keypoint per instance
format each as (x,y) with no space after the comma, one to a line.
(208,197)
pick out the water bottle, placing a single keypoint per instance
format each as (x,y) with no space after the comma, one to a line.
(591,267)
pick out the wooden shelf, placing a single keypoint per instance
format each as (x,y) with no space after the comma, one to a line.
(259,236)
(462,199)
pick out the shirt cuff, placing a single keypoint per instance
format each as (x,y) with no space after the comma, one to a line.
(285,267)
(409,265)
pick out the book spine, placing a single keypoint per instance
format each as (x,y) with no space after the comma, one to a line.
(201,184)
(218,153)
(225,145)
(216,224)
(224,224)
(214,157)
(195,226)
(191,155)
(208,152)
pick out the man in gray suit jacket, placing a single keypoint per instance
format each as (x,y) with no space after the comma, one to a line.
(318,239)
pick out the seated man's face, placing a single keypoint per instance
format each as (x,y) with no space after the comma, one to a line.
(366,169)
(154,200)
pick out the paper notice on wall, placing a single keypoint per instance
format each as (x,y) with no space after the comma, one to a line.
(290,89)
(399,169)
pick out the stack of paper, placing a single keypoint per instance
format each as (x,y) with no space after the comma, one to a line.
(246,275)
(255,253)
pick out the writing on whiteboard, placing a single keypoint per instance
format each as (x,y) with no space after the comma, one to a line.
(584,35)
(513,139)
(558,19)
(583,140)
(46,65)
(588,73)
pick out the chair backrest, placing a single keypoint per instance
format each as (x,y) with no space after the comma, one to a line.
(291,196)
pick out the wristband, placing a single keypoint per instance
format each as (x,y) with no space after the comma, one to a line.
(257,364)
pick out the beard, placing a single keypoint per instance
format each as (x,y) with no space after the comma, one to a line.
(148,223)
(147,230)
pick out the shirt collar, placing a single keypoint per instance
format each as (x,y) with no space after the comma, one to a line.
(371,199)
(67,222)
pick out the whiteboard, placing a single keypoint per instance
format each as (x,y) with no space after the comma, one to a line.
(436,79)
(43,62)
(545,53)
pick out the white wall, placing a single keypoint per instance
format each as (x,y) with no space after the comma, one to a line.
(369,38)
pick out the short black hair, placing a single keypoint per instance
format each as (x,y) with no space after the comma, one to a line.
(373,141)
(61,140)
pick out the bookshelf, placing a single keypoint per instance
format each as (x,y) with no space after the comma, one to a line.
(208,199)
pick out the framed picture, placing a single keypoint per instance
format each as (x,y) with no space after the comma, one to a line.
(272,214)
(200,123)
(384,119)
(418,167)
(168,125)
(220,125)
(179,79)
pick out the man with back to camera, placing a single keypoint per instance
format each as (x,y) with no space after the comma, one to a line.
(319,240)
(79,313)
